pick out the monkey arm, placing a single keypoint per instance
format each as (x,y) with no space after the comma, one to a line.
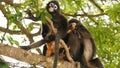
(31,16)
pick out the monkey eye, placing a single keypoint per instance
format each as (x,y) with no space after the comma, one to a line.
(55,7)
(51,4)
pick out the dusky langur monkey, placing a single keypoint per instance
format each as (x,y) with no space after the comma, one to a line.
(60,23)
(82,45)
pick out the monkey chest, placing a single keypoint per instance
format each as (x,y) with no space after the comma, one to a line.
(74,40)
(60,24)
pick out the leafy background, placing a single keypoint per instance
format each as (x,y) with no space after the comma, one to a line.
(101,17)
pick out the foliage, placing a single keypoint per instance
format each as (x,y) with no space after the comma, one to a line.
(3,64)
(101,17)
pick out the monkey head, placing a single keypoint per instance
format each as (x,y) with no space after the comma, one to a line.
(72,25)
(53,7)
(73,21)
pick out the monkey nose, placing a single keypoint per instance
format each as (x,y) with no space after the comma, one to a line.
(51,9)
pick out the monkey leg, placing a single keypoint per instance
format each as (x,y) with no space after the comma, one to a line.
(67,51)
(88,52)
(48,53)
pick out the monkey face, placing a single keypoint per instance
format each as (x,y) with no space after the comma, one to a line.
(71,27)
(53,7)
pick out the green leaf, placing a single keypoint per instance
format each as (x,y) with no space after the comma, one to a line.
(3,65)
(16,42)
(10,39)
(43,18)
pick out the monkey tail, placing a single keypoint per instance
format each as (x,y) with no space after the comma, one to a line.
(97,63)
(57,39)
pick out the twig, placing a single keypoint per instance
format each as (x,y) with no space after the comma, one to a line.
(4,33)
(17,31)
(10,31)
(88,16)
(84,15)
(93,1)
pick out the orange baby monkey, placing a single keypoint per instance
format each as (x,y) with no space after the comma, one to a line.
(50,48)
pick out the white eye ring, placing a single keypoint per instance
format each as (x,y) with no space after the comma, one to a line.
(51,4)
(55,7)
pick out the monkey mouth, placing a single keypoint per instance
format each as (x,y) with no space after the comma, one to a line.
(51,9)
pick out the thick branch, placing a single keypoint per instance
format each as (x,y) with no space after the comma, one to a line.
(25,56)
(20,54)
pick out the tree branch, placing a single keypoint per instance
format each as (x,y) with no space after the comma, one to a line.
(9,31)
(89,16)
(84,15)
(4,11)
(17,31)
(25,31)
(26,56)
(92,1)
(37,33)
(10,2)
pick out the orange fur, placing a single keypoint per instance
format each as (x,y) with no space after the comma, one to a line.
(50,48)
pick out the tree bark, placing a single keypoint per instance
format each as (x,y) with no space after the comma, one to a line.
(32,58)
